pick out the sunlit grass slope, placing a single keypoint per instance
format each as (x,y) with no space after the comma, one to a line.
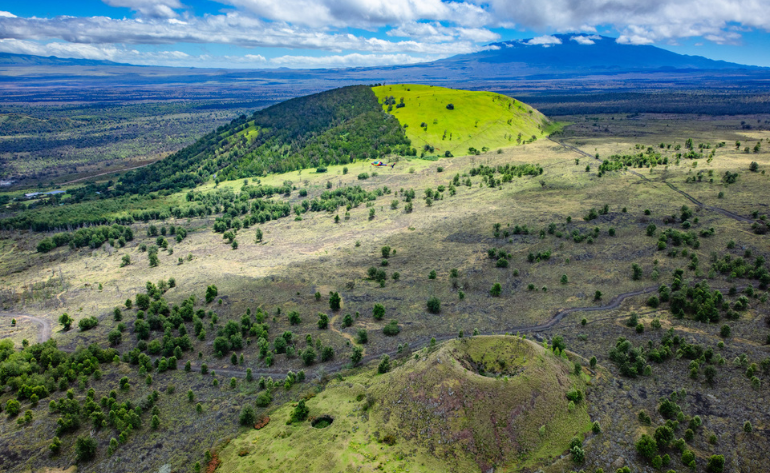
(467,405)
(478,120)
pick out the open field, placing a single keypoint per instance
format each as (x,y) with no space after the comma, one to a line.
(299,257)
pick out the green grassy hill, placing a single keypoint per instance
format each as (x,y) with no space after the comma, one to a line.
(468,405)
(333,127)
(478,120)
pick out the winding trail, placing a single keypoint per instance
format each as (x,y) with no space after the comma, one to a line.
(692,199)
(330,368)
(45,325)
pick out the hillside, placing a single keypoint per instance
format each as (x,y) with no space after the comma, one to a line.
(467,405)
(338,126)
(476,121)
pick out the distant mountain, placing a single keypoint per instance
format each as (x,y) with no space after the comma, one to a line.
(578,54)
(8,59)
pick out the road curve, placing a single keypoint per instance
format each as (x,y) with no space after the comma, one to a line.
(45,325)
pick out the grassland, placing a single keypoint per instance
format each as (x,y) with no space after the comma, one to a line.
(479,120)
(299,257)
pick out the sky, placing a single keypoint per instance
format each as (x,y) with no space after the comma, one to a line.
(255,34)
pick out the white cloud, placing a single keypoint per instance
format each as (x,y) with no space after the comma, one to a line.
(149,8)
(348,60)
(233,28)
(544,41)
(364,13)
(436,32)
(109,52)
(639,22)
(584,40)
(6,14)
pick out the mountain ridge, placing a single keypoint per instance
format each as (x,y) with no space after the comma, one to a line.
(558,52)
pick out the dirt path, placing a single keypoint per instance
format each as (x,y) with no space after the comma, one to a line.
(330,368)
(335,330)
(103,174)
(45,325)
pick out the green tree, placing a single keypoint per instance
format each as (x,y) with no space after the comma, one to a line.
(598,295)
(496,290)
(259,234)
(357,354)
(327,353)
(323,321)
(646,446)
(66,321)
(12,407)
(384,365)
(716,464)
(564,279)
(334,300)
(300,412)
(385,251)
(211,293)
(308,356)
(432,274)
(434,305)
(55,446)
(85,448)
(155,422)
(725,331)
(378,312)
(248,416)
(362,336)
(637,272)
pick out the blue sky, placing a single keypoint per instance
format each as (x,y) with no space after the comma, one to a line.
(344,33)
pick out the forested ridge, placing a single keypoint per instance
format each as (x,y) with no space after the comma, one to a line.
(332,127)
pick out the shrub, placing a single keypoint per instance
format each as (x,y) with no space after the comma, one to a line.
(264,399)
(378,312)
(434,305)
(432,274)
(362,336)
(496,290)
(653,302)
(327,353)
(87,323)
(391,328)
(385,251)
